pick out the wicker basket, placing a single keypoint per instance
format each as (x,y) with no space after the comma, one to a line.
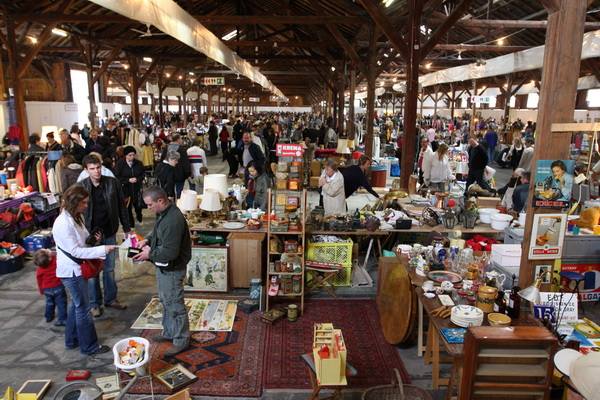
(396,391)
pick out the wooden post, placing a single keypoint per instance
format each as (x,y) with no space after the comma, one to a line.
(89,60)
(61,92)
(209,103)
(184,93)
(452,100)
(351,130)
(435,98)
(134,70)
(18,101)
(341,87)
(473,108)
(562,57)
(507,96)
(371,76)
(412,89)
(2,80)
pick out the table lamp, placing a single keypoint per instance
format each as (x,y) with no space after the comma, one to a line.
(211,202)
(532,293)
(342,147)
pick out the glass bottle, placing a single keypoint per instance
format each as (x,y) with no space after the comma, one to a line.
(500,304)
(514,303)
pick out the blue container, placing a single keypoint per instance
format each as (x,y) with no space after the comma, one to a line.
(38,240)
(395,168)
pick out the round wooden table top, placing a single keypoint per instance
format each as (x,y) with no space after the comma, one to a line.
(396,302)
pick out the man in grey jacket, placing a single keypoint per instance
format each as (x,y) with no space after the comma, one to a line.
(169,247)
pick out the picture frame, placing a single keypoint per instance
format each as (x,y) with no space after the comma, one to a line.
(547,236)
(207,270)
(175,377)
(34,387)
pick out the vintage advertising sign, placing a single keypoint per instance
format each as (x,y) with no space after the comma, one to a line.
(289,150)
(553,183)
(213,80)
(589,288)
(547,237)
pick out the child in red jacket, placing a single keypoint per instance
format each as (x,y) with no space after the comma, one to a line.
(50,286)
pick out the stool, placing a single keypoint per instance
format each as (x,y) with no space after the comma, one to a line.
(576,278)
(322,278)
(316,387)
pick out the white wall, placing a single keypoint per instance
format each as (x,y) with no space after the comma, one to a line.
(283,109)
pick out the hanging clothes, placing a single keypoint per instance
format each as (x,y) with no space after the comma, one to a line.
(148,156)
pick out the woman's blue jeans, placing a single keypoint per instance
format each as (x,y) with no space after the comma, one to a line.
(79,331)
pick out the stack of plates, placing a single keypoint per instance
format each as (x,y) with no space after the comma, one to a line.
(466,316)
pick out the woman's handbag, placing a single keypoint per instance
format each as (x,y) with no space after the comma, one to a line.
(89,268)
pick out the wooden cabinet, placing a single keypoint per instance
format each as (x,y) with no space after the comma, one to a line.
(245,258)
(507,363)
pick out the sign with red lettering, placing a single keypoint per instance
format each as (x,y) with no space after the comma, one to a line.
(289,150)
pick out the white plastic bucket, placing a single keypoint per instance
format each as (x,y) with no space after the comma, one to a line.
(139,367)
(485,215)
(501,221)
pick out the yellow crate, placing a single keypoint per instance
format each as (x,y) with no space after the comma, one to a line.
(338,253)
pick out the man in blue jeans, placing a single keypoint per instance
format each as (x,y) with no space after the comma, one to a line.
(106,208)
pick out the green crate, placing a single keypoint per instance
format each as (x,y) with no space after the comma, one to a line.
(338,253)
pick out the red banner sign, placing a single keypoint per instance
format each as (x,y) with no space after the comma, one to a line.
(289,150)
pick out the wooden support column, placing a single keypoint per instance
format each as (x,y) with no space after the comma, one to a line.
(2,80)
(17,111)
(209,102)
(562,57)
(184,93)
(452,100)
(473,108)
(371,76)
(89,60)
(351,126)
(435,98)
(134,70)
(218,100)
(59,77)
(507,96)
(341,88)
(412,89)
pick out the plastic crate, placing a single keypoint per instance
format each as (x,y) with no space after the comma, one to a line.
(342,278)
(339,253)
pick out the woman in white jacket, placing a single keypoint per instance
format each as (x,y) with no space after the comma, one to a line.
(70,236)
(425,153)
(332,188)
(438,172)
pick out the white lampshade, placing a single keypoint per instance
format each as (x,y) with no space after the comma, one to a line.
(531,294)
(211,201)
(188,200)
(216,182)
(342,147)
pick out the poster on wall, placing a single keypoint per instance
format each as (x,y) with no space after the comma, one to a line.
(207,270)
(553,183)
(589,288)
(548,236)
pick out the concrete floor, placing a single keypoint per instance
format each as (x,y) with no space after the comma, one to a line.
(33,349)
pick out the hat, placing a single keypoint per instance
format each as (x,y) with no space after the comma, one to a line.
(129,149)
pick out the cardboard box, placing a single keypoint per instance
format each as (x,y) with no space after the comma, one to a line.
(281,184)
(330,370)
(314,182)
(315,168)
(506,255)
(488,202)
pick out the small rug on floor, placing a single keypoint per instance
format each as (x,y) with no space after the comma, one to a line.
(368,352)
(226,363)
(204,315)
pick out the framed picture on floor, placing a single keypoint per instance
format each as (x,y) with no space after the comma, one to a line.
(207,270)
(175,377)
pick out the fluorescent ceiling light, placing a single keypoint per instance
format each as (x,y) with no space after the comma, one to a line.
(147,59)
(60,32)
(332,68)
(230,35)
(191,73)
(388,3)
(32,39)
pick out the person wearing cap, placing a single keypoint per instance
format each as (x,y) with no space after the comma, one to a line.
(130,172)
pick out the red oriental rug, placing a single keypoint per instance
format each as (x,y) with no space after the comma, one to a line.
(368,352)
(226,363)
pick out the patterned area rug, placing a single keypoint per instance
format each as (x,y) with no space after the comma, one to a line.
(226,363)
(368,352)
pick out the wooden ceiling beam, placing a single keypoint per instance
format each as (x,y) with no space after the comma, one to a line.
(504,23)
(105,64)
(381,20)
(441,30)
(204,19)
(42,39)
(476,48)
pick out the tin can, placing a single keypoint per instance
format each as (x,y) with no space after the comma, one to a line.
(292,312)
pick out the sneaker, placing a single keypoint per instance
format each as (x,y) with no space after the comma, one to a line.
(48,320)
(100,350)
(59,323)
(116,305)
(96,312)
(174,350)
(160,339)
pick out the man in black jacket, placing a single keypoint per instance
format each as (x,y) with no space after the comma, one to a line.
(478,160)
(355,176)
(249,152)
(106,208)
(213,134)
(169,247)
(183,169)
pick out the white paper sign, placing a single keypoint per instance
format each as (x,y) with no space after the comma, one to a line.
(565,309)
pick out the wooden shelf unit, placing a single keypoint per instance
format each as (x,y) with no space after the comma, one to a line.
(511,362)
(300,236)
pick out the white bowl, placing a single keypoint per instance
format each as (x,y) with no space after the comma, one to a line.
(485,214)
(501,221)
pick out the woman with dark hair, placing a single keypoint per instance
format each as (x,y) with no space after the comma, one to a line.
(70,235)
(258,187)
(560,182)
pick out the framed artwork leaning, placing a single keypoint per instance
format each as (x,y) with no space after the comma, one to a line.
(175,377)
(207,270)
